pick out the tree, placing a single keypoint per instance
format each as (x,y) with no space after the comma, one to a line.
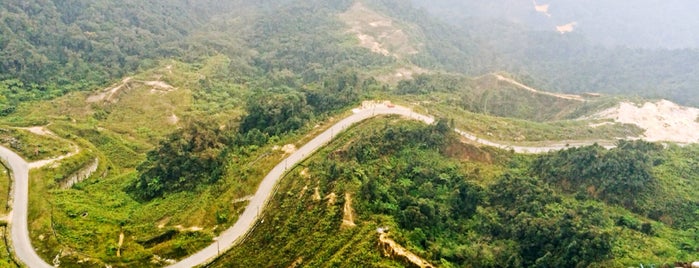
(191,156)
(276,111)
(622,175)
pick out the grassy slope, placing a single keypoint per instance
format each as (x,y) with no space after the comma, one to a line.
(31,146)
(300,229)
(497,110)
(99,209)
(519,131)
(119,134)
(5,258)
(70,221)
(105,130)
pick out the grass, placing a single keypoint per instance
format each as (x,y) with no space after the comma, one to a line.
(524,132)
(84,222)
(4,190)
(72,221)
(109,210)
(499,111)
(5,258)
(296,228)
(32,146)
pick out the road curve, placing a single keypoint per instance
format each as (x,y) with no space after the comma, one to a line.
(19,232)
(228,238)
(247,220)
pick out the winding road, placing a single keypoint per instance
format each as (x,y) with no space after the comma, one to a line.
(19,231)
(227,239)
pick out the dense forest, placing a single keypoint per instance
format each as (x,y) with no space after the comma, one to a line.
(92,43)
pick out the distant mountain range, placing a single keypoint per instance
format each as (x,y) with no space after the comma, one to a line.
(638,24)
(563,46)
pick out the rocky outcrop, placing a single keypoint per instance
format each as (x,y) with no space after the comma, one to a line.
(80,175)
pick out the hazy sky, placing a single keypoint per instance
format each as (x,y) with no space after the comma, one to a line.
(637,23)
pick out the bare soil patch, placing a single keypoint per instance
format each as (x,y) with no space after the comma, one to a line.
(663,120)
(111,94)
(525,87)
(304,173)
(289,148)
(173,119)
(566,28)
(303,191)
(332,199)
(402,73)
(316,194)
(377,32)
(392,249)
(543,8)
(242,199)
(40,130)
(347,213)
(121,243)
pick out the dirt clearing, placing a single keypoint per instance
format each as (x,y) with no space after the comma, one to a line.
(377,32)
(111,94)
(662,120)
(543,8)
(407,72)
(316,194)
(289,149)
(42,131)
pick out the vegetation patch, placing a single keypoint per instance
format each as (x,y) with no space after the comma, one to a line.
(460,213)
(183,101)
(32,146)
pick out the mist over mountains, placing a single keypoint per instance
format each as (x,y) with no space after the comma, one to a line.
(184,106)
(564,46)
(637,24)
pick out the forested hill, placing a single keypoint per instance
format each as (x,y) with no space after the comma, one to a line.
(197,100)
(48,48)
(591,58)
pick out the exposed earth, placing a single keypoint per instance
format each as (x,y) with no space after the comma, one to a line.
(663,120)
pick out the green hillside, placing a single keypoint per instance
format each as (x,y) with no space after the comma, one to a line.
(185,106)
(457,205)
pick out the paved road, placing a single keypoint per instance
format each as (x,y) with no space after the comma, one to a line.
(246,221)
(19,233)
(227,239)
